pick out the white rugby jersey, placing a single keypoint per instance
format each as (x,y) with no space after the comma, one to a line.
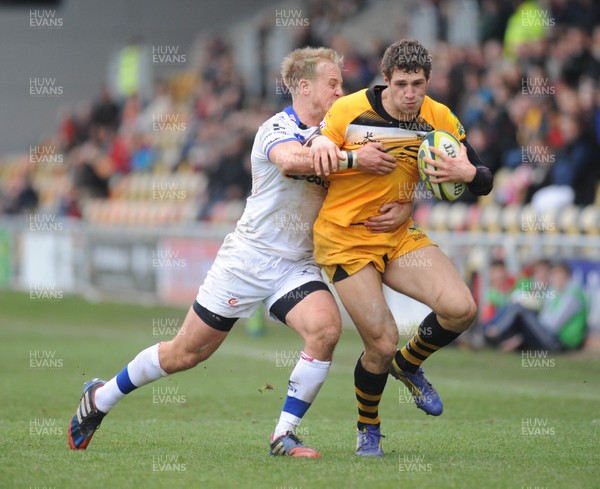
(281,211)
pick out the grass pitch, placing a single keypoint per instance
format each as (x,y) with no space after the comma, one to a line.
(509,421)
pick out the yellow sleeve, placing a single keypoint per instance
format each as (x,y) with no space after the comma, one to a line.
(456,128)
(441,117)
(333,126)
(340,115)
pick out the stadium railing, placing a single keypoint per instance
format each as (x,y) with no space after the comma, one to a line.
(49,256)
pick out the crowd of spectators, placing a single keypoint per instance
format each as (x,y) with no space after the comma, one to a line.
(528,94)
(545,310)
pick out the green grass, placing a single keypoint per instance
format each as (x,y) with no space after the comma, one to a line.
(218,437)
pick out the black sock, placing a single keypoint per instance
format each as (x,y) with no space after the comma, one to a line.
(368,388)
(429,339)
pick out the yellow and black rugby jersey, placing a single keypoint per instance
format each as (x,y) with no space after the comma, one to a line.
(356,119)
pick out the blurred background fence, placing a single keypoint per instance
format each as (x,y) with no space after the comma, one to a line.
(49,258)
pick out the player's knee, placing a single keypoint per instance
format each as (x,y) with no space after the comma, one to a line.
(322,331)
(331,336)
(190,359)
(175,358)
(384,351)
(388,351)
(327,331)
(464,312)
(470,311)
(384,346)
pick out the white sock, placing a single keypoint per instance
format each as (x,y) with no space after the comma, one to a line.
(304,385)
(142,370)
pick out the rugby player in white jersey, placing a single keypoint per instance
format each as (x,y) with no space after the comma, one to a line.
(268,259)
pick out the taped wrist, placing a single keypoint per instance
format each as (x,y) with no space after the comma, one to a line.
(351,160)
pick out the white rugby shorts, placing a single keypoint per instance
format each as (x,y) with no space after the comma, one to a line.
(242,277)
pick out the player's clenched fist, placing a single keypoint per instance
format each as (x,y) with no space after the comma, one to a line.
(373,159)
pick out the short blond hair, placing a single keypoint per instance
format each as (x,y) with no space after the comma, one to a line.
(302,64)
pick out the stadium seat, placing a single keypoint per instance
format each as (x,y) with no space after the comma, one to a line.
(457,216)
(473,216)
(533,221)
(438,219)
(589,220)
(145,213)
(490,218)
(567,220)
(510,219)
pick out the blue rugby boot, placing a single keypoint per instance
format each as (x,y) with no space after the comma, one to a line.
(424,394)
(368,442)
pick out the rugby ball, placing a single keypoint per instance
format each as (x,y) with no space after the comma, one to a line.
(449,145)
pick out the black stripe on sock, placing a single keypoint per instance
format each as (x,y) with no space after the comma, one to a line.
(404,364)
(366,402)
(432,332)
(368,415)
(416,354)
(422,346)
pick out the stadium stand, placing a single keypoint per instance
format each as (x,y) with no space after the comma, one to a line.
(528,96)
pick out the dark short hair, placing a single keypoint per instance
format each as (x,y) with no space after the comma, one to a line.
(406,55)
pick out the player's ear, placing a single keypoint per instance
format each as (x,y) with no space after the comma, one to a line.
(304,86)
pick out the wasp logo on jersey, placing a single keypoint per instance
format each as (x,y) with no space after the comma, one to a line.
(406,153)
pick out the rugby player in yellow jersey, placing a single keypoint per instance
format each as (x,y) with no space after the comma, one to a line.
(396,116)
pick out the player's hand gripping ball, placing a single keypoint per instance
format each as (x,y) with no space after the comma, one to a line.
(449,145)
